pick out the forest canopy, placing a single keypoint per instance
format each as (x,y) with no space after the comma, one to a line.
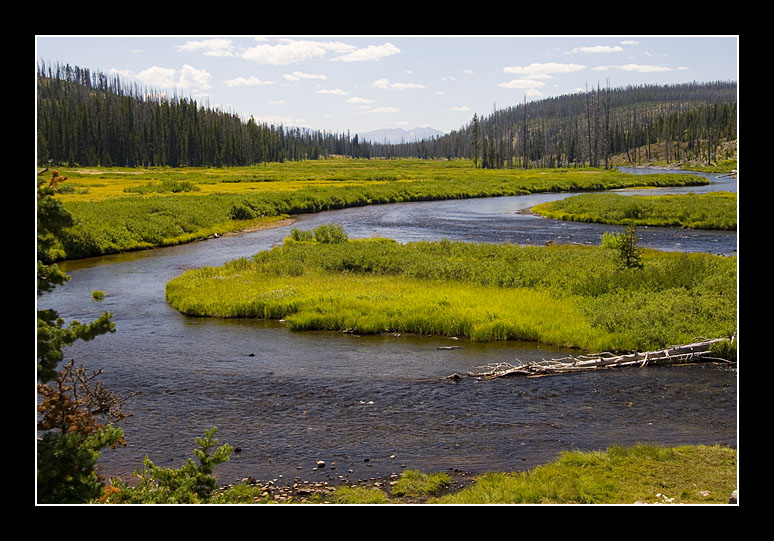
(89,118)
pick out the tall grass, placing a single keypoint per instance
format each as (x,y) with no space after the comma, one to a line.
(619,475)
(714,210)
(569,295)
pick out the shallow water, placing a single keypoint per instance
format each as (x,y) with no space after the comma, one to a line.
(288,399)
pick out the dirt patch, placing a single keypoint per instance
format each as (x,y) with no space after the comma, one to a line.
(261,227)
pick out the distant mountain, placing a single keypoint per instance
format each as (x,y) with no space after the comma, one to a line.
(397,135)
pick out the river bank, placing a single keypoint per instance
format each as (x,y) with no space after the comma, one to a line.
(639,474)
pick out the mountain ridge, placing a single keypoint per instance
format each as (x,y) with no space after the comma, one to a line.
(398,135)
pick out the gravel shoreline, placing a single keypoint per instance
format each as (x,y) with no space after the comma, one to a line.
(299,490)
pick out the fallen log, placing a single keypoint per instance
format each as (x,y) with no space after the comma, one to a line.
(694,352)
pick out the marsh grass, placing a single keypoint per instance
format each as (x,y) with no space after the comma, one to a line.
(619,475)
(714,210)
(564,295)
(120,210)
(416,484)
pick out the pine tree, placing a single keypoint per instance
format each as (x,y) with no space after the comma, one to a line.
(72,437)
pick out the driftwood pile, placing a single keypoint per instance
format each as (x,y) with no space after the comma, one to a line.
(695,352)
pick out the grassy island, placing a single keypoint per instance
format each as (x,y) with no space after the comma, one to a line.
(713,210)
(563,295)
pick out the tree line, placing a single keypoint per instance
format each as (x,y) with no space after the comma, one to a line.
(89,118)
(688,121)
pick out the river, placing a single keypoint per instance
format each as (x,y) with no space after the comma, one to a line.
(372,406)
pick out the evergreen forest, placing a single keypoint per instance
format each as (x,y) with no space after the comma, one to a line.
(88,118)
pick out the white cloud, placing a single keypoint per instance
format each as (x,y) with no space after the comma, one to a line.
(355,99)
(250,81)
(211,47)
(193,78)
(533,93)
(156,76)
(522,83)
(641,68)
(336,91)
(297,76)
(187,77)
(387,85)
(460,108)
(598,49)
(467,72)
(292,51)
(279,119)
(629,42)
(383,110)
(372,52)
(542,69)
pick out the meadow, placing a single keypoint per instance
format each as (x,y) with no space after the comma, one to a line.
(713,210)
(563,295)
(120,209)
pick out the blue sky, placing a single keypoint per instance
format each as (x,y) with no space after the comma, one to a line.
(363,83)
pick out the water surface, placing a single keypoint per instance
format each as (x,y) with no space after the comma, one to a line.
(288,399)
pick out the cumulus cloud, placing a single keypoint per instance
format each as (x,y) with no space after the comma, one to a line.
(538,69)
(210,47)
(598,49)
(298,76)
(193,78)
(292,51)
(157,76)
(641,68)
(372,52)
(249,81)
(383,110)
(186,77)
(460,108)
(356,99)
(336,91)
(386,84)
(522,83)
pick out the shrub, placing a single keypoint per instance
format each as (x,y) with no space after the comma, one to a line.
(300,235)
(191,483)
(330,234)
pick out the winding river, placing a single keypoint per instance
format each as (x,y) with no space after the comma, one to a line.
(372,406)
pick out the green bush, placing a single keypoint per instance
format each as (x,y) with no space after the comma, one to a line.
(330,234)
(67,465)
(300,235)
(191,483)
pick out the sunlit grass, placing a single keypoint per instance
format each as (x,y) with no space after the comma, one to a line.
(113,217)
(571,296)
(713,210)
(619,475)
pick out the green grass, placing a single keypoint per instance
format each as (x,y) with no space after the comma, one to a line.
(564,295)
(356,495)
(415,484)
(120,210)
(619,475)
(714,210)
